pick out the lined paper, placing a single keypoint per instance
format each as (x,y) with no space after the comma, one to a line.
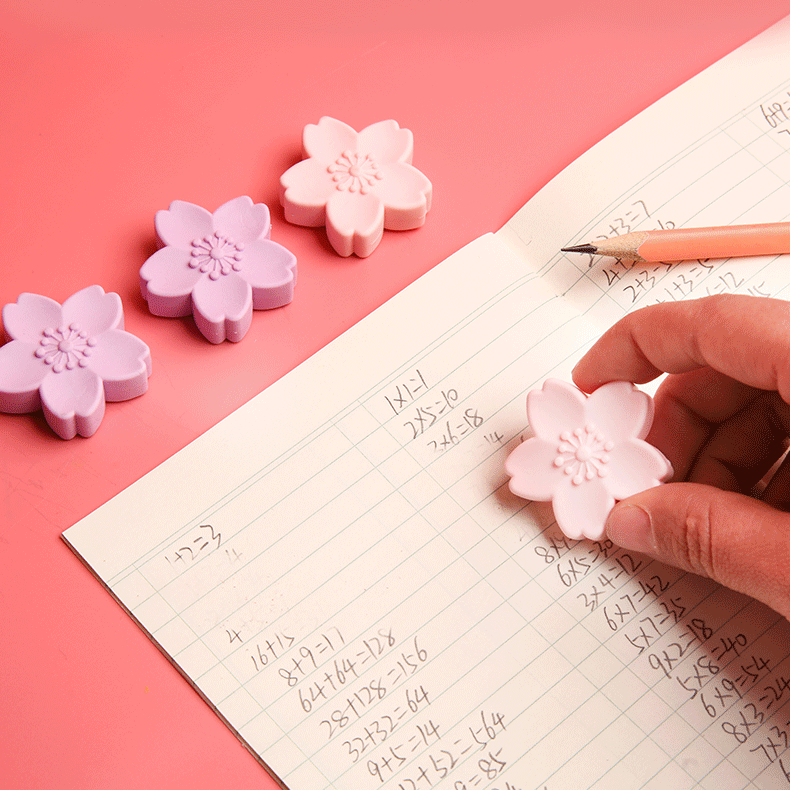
(340,570)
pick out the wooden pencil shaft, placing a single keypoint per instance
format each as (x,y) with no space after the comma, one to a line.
(728,241)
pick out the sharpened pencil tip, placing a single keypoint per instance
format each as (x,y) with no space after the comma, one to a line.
(590,248)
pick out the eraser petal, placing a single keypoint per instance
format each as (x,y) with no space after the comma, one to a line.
(305,189)
(581,511)
(93,310)
(635,466)
(30,316)
(387,142)
(243,220)
(181,223)
(166,282)
(553,408)
(531,471)
(223,308)
(270,269)
(21,374)
(123,362)
(354,223)
(406,194)
(73,402)
(620,410)
(327,138)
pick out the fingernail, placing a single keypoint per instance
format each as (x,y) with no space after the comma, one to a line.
(629,526)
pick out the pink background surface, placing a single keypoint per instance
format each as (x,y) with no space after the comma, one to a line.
(106,115)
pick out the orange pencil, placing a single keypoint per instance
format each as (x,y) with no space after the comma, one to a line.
(685,244)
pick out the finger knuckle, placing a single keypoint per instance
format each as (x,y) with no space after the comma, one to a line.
(696,540)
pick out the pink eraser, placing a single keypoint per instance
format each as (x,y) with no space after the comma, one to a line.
(587,453)
(68,360)
(356,184)
(218,267)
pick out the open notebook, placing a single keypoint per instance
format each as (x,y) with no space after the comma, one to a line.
(340,571)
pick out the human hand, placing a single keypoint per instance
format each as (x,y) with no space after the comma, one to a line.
(722,419)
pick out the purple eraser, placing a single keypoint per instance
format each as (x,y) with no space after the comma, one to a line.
(68,360)
(587,453)
(357,184)
(217,267)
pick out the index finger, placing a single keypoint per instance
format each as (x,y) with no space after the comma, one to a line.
(744,337)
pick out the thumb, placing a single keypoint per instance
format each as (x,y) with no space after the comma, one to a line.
(738,541)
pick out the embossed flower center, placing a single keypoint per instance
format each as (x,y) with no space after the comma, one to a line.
(355,172)
(583,453)
(65,348)
(216,255)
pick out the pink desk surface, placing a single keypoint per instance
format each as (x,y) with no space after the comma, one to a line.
(106,116)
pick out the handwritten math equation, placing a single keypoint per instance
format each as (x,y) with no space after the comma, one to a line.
(775,113)
(721,671)
(470,757)
(368,703)
(201,541)
(377,704)
(731,680)
(403,393)
(435,414)
(271,648)
(631,282)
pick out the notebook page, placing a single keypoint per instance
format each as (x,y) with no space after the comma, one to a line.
(716,151)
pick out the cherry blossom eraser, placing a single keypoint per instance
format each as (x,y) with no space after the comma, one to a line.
(68,360)
(357,184)
(218,267)
(587,453)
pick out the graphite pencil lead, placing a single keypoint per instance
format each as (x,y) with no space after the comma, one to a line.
(590,248)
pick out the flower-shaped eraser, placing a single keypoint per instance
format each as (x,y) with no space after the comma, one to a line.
(587,452)
(68,360)
(356,184)
(219,267)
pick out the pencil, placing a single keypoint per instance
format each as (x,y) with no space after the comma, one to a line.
(685,244)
